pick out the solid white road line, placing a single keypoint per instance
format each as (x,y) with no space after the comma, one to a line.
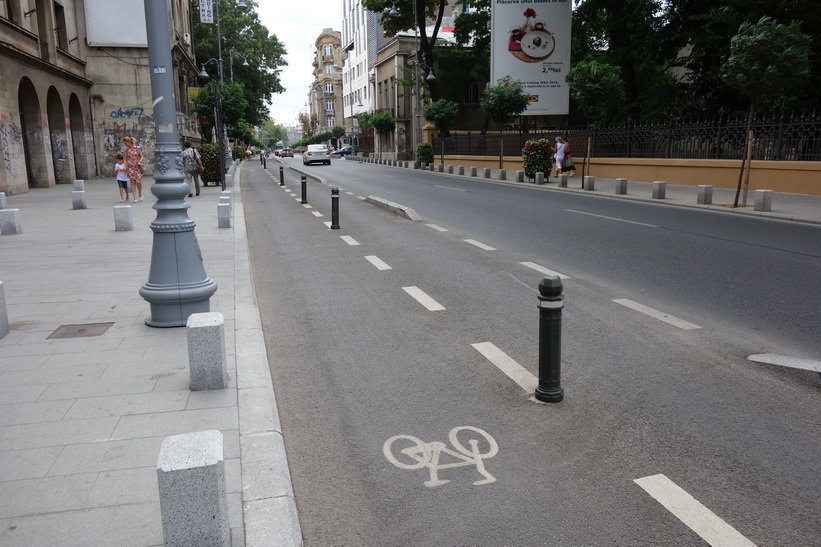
(316,213)
(542,269)
(514,370)
(349,240)
(450,188)
(438,228)
(688,510)
(661,316)
(785,361)
(424,299)
(480,245)
(380,265)
(612,218)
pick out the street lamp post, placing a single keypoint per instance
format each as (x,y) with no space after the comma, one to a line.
(231,54)
(177,285)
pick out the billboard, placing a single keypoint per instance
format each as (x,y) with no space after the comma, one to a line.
(106,24)
(530,44)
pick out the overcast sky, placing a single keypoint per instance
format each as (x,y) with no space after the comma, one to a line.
(297,23)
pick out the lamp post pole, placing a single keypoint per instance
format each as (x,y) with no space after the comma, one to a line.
(177,285)
(416,77)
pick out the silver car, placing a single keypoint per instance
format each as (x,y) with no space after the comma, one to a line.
(316,153)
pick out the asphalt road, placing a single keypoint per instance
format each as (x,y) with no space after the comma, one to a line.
(381,393)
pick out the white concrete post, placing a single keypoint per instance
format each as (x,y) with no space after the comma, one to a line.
(563,181)
(539,177)
(621,186)
(659,189)
(487,172)
(10,222)
(520,176)
(207,362)
(78,199)
(450,169)
(472,171)
(123,219)
(79,185)
(763,200)
(224,215)
(2,200)
(589,183)
(461,169)
(705,194)
(193,499)
(502,174)
(4,313)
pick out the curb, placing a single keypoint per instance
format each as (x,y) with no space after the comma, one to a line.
(395,208)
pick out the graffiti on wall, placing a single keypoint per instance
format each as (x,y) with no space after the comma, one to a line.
(11,140)
(131,121)
(58,150)
(132,112)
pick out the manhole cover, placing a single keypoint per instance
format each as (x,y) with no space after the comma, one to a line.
(79,331)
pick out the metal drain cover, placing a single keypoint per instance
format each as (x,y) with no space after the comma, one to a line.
(79,331)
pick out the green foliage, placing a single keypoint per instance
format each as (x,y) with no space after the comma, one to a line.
(383,122)
(319,138)
(598,90)
(441,113)
(210,163)
(338,131)
(767,59)
(537,155)
(270,133)
(424,153)
(365,120)
(244,38)
(238,152)
(503,102)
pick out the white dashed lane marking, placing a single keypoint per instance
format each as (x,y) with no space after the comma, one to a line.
(438,228)
(350,241)
(514,370)
(328,224)
(307,206)
(542,269)
(661,316)
(424,299)
(380,265)
(316,213)
(709,526)
(480,245)
(612,218)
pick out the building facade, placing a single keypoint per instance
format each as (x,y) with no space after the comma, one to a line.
(326,89)
(74,84)
(360,33)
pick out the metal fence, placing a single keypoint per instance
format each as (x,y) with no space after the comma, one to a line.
(794,138)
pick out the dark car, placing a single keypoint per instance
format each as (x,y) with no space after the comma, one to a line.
(345,151)
(286,153)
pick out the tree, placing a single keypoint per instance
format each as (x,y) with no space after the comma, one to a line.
(270,133)
(426,10)
(503,103)
(244,37)
(307,123)
(767,59)
(441,113)
(598,90)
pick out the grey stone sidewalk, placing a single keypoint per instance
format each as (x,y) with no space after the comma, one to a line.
(82,417)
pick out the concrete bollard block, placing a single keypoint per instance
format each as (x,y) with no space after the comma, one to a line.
(207,362)
(563,181)
(226,200)
(763,200)
(589,183)
(539,177)
(4,313)
(223,215)
(79,185)
(416,165)
(472,171)
(461,170)
(502,174)
(431,167)
(10,222)
(123,219)
(621,186)
(78,199)
(441,167)
(2,200)
(520,176)
(193,498)
(705,194)
(659,189)
(487,172)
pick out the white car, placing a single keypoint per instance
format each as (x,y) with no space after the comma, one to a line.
(316,153)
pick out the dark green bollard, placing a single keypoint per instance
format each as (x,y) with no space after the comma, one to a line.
(334,208)
(551,303)
(281,177)
(304,181)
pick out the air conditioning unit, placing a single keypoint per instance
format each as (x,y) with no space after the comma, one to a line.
(186,38)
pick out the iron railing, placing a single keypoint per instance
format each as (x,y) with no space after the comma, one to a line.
(793,138)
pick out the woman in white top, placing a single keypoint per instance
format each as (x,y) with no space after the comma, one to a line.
(558,155)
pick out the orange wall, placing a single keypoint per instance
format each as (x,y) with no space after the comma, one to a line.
(796,177)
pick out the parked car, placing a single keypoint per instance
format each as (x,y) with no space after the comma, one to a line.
(286,153)
(345,151)
(316,153)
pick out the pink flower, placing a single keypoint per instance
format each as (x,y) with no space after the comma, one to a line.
(529,12)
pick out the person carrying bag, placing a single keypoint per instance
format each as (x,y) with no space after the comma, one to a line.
(192,167)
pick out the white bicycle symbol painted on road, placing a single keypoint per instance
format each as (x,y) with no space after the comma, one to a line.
(409,452)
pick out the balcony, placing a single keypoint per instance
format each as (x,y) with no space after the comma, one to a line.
(329,112)
(328,59)
(327,93)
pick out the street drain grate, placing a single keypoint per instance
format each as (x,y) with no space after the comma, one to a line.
(79,331)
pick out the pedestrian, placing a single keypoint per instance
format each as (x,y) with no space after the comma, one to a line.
(122,178)
(133,156)
(192,167)
(558,155)
(567,165)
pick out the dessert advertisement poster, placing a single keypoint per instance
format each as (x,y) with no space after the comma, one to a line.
(531,45)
